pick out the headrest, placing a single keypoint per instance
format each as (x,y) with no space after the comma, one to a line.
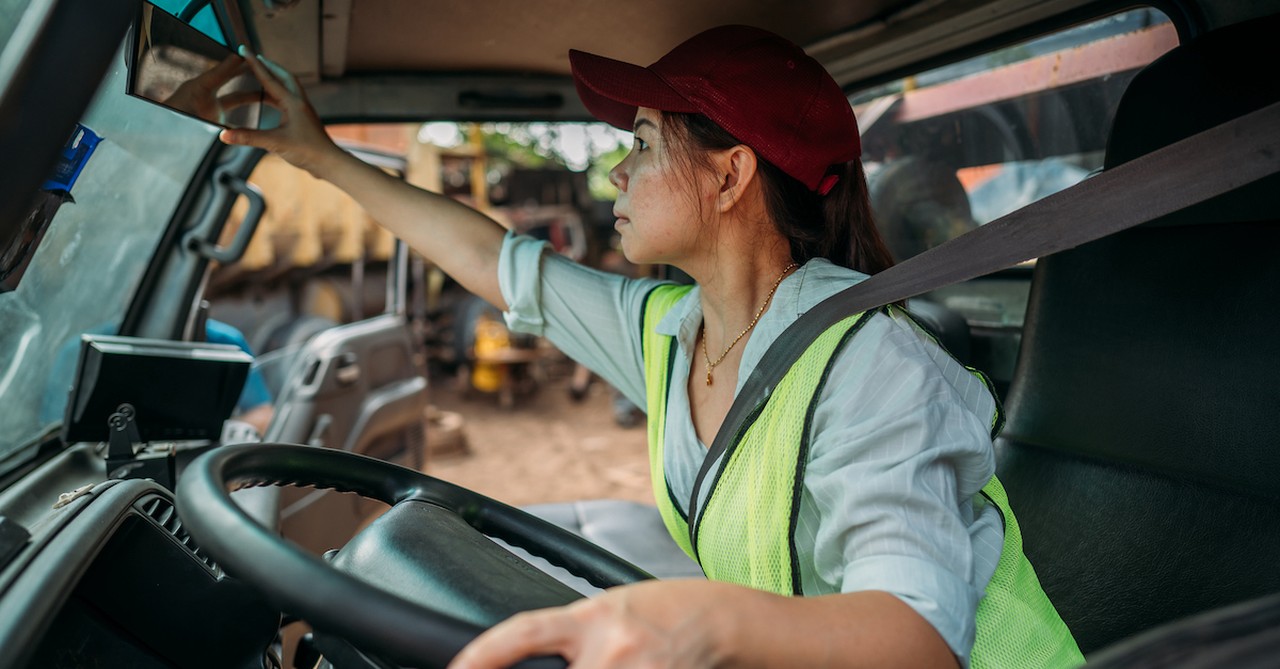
(1210,80)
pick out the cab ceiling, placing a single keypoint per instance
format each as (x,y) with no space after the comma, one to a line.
(333,39)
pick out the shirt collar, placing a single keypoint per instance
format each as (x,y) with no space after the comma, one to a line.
(683,320)
(814,282)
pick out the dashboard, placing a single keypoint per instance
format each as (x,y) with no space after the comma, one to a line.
(110,578)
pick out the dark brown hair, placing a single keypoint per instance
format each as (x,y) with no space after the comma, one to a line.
(837,226)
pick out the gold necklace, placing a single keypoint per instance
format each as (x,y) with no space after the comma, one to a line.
(768,298)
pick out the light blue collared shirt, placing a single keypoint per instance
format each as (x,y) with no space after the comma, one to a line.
(901,440)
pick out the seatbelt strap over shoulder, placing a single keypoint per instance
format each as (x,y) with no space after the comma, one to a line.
(1167,180)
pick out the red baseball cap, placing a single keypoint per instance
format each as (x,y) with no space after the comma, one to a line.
(763,89)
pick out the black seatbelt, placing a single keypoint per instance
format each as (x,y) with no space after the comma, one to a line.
(1182,174)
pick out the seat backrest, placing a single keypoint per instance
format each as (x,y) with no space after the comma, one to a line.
(1142,452)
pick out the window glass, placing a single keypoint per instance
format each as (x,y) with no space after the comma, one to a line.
(10,13)
(99,242)
(959,146)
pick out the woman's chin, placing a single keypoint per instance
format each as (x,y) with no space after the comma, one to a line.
(634,255)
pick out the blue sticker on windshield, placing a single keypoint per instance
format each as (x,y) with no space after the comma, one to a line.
(72,160)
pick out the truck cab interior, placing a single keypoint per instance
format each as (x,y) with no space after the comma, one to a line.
(1137,370)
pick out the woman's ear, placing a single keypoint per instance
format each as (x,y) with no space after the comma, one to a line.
(736,167)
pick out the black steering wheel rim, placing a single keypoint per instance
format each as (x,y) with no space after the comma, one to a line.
(308,587)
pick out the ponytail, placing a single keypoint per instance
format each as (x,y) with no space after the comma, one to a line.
(848,205)
(838,226)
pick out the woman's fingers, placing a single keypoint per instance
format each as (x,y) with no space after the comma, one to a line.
(300,138)
(629,627)
(262,139)
(525,635)
(284,76)
(270,82)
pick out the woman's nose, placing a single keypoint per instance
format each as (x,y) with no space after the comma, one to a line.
(618,176)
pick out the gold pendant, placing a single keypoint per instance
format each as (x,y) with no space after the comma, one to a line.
(708,377)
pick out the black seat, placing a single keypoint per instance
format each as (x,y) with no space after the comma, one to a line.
(1142,452)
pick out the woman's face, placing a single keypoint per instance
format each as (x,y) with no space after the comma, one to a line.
(661,203)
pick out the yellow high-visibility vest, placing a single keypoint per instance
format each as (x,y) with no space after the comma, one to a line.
(744,531)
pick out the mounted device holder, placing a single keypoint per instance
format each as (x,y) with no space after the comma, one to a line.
(136,393)
(129,458)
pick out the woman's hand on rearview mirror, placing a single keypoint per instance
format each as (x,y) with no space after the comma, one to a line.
(300,138)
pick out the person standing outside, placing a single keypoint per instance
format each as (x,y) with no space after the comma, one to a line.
(867,486)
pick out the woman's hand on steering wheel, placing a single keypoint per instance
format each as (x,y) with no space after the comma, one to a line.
(672,624)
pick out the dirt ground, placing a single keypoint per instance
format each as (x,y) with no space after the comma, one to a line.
(545,448)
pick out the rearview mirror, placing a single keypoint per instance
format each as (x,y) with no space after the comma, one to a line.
(176,66)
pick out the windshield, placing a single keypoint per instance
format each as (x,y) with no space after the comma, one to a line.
(94,251)
(10,12)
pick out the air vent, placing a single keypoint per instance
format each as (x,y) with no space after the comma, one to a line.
(165,515)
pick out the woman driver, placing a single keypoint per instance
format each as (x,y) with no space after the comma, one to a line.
(865,484)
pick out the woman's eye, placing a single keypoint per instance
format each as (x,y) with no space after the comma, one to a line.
(640,145)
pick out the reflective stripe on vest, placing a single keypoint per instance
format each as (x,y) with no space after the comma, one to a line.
(744,531)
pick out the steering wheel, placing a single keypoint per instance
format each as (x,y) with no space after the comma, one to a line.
(338,603)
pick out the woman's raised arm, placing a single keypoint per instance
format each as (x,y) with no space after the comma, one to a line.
(460,240)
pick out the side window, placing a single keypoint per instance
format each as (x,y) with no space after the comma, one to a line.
(956,147)
(959,146)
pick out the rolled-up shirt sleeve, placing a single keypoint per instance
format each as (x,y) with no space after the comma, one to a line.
(896,455)
(593,317)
